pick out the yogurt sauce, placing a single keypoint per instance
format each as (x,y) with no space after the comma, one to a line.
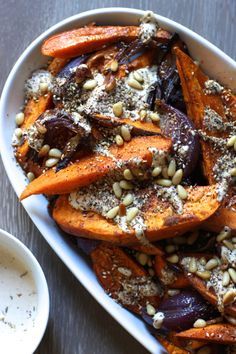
(18,300)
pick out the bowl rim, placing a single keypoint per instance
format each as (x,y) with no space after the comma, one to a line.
(40,283)
(3,106)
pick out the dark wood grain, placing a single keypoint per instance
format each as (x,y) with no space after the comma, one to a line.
(78,325)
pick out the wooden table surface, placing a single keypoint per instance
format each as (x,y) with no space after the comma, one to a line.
(77,324)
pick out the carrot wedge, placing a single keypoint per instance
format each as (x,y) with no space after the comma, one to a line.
(218,333)
(170,347)
(92,168)
(159,224)
(117,271)
(87,39)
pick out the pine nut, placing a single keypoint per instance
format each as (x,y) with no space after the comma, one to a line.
(173,259)
(165,172)
(233,172)
(177,178)
(126,185)
(117,189)
(111,214)
(134,84)
(114,65)
(128,174)
(90,84)
(229,296)
(154,117)
(225,279)
(170,248)
(131,214)
(200,323)
(156,171)
(173,292)
(182,193)
(43,87)
(228,244)
(204,274)
(51,162)
(192,238)
(119,140)
(125,133)
(30,176)
(128,199)
(211,264)
(142,259)
(20,117)
(117,109)
(204,350)
(150,310)
(164,182)
(225,233)
(55,153)
(233,239)
(18,133)
(171,168)
(202,261)
(232,274)
(137,76)
(192,268)
(142,114)
(231,141)
(44,150)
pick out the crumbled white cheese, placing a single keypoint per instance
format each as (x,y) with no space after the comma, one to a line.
(32,85)
(148,27)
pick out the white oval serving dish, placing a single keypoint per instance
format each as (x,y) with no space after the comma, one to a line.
(214,62)
(24,297)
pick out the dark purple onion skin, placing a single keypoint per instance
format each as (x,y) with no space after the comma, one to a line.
(181,130)
(182,310)
(87,245)
(68,70)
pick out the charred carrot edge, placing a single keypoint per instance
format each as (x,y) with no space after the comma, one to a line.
(218,333)
(170,347)
(160,264)
(87,39)
(114,268)
(150,249)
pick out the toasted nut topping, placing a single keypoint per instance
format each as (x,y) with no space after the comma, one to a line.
(228,244)
(170,248)
(30,176)
(231,141)
(43,87)
(232,274)
(137,76)
(204,274)
(156,171)
(117,189)
(128,174)
(192,238)
(131,214)
(126,185)
(200,323)
(171,168)
(229,296)
(164,182)
(119,140)
(150,310)
(125,132)
(225,233)
(51,162)
(114,65)
(142,114)
(111,214)
(233,239)
(18,133)
(211,264)
(154,117)
(117,109)
(192,268)
(173,292)
(55,153)
(142,258)
(164,172)
(128,199)
(173,259)
(182,193)
(177,178)
(233,172)
(134,84)
(44,150)
(20,117)
(226,279)
(202,261)
(90,84)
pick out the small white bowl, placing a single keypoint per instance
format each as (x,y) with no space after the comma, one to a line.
(24,298)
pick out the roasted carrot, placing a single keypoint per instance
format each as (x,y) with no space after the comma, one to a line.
(170,347)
